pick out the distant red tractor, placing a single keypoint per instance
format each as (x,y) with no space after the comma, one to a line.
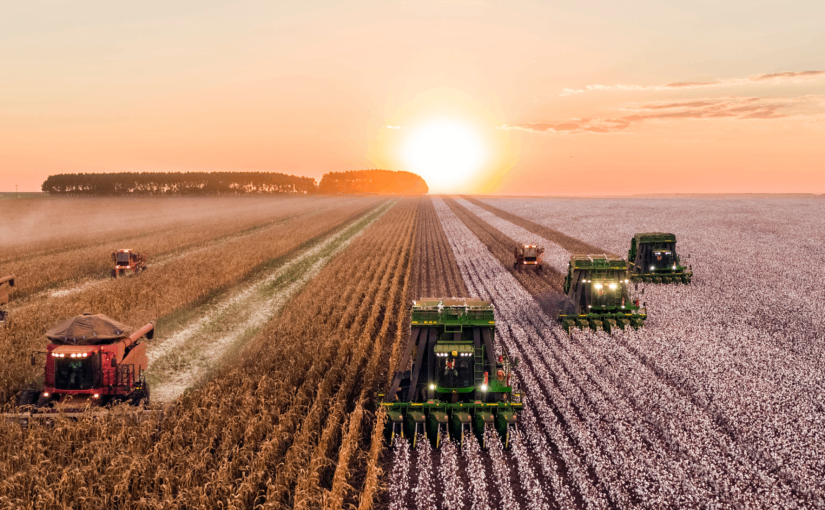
(128,260)
(91,361)
(528,255)
(5,282)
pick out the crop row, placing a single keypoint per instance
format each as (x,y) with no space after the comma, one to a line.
(270,429)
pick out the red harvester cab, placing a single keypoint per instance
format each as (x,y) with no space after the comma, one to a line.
(528,255)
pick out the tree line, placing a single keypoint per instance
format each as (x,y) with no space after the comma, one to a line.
(177,183)
(381,182)
(214,183)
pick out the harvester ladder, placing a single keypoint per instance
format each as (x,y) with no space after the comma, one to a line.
(478,357)
(478,365)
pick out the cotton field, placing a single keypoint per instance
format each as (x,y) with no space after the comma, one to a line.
(716,402)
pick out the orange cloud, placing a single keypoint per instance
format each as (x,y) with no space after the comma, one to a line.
(728,107)
(756,78)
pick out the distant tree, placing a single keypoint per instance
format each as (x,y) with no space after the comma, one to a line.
(383,182)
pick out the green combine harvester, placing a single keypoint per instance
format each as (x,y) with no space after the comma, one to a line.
(457,384)
(597,296)
(653,259)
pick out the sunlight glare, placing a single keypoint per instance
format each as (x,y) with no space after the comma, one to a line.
(446,154)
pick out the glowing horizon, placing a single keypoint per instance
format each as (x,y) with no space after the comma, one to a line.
(512,98)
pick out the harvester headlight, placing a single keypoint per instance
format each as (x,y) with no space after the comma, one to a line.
(598,286)
(674,267)
(95,396)
(612,286)
(483,387)
(627,281)
(432,386)
(652,268)
(45,393)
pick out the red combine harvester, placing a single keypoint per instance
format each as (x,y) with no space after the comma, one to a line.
(528,255)
(91,361)
(128,260)
(4,295)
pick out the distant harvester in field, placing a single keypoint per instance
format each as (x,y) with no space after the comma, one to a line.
(653,259)
(127,260)
(5,282)
(528,255)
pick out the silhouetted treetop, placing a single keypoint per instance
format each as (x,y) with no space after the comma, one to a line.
(382,182)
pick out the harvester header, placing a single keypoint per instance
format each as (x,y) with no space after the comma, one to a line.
(457,384)
(653,259)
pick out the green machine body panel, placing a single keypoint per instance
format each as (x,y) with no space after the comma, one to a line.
(596,295)
(653,259)
(449,381)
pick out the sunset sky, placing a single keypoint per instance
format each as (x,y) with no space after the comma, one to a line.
(478,96)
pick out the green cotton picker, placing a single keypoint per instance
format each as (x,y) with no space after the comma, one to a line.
(457,384)
(597,296)
(653,259)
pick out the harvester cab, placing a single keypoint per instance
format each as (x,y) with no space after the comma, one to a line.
(457,384)
(653,259)
(5,283)
(91,360)
(127,260)
(528,255)
(597,295)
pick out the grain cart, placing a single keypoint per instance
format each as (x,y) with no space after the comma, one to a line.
(653,259)
(127,260)
(5,283)
(457,384)
(91,361)
(528,255)
(597,295)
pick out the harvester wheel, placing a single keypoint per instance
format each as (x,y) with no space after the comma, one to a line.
(28,397)
(114,273)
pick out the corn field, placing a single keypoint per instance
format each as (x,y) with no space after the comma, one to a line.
(716,403)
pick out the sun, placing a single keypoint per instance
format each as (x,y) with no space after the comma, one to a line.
(447,154)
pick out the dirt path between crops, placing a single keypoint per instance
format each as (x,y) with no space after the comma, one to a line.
(567,242)
(545,287)
(179,360)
